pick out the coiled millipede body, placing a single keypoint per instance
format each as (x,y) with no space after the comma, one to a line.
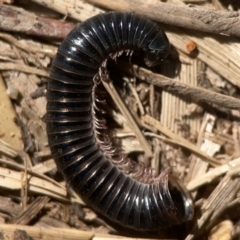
(146,203)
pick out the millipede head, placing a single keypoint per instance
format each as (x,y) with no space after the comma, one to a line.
(158,49)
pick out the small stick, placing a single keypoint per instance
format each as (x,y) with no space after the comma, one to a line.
(198,93)
(197,18)
(79,10)
(19,20)
(23,68)
(31,211)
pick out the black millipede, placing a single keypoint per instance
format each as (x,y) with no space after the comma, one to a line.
(137,200)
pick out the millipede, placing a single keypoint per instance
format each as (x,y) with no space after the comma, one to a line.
(117,187)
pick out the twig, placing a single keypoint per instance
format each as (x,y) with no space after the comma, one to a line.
(23,68)
(30,47)
(32,210)
(187,90)
(79,10)
(198,18)
(19,20)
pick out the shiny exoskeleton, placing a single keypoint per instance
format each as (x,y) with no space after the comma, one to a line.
(70,128)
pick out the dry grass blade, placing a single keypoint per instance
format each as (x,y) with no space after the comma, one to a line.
(232,167)
(12,180)
(30,171)
(115,96)
(153,122)
(220,198)
(39,233)
(7,150)
(208,52)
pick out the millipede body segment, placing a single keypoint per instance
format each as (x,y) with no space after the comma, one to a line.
(71,132)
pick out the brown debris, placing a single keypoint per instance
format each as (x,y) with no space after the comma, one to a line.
(191,46)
